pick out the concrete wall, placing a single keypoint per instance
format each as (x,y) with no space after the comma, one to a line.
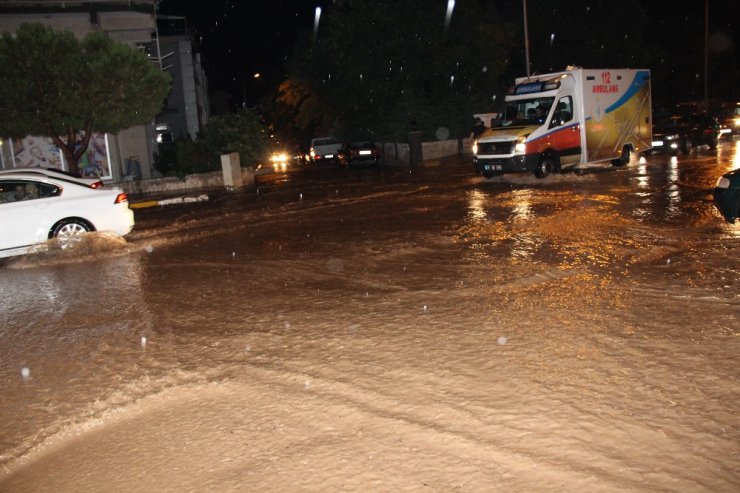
(77,22)
(202,181)
(397,154)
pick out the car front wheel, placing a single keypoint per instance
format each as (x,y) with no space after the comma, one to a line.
(69,228)
(546,166)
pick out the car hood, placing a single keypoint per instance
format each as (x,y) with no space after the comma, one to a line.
(499,134)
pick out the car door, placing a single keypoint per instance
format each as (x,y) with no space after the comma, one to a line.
(25,217)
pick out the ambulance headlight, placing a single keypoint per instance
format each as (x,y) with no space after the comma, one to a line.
(521,145)
(723,182)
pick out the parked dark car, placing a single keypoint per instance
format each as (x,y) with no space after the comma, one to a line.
(727,195)
(682,133)
(359,152)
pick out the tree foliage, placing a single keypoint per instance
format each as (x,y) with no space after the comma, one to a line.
(57,86)
(241,132)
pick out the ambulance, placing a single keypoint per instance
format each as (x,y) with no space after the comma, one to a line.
(577,117)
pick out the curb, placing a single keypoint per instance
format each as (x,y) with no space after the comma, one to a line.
(176,200)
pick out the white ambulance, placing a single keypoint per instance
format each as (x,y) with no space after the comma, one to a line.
(575,117)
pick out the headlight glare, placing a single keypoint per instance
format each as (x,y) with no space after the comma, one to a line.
(521,145)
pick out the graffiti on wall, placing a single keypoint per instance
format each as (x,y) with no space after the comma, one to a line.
(41,152)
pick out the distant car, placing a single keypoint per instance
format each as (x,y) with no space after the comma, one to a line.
(727,195)
(324,150)
(730,120)
(59,174)
(36,208)
(280,161)
(359,152)
(682,133)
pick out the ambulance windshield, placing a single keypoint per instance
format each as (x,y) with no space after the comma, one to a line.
(524,112)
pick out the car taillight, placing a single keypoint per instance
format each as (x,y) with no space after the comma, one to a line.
(120,198)
(97,184)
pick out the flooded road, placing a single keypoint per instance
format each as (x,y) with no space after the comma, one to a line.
(388,330)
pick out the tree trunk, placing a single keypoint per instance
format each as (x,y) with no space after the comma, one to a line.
(73,149)
(70,159)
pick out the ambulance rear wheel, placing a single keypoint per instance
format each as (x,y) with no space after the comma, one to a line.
(546,166)
(624,158)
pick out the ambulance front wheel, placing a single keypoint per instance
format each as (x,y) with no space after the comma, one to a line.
(547,165)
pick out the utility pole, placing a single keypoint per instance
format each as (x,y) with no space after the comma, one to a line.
(526,35)
(706,56)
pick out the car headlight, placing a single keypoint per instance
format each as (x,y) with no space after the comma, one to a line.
(723,182)
(671,137)
(521,145)
(279,158)
(737,122)
(475,148)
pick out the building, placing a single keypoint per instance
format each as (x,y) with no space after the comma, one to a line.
(186,109)
(129,154)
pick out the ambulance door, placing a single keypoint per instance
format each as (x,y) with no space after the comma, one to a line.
(565,132)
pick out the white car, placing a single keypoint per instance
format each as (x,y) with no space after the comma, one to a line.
(36,208)
(57,173)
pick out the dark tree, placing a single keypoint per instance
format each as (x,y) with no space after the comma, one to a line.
(378,65)
(57,86)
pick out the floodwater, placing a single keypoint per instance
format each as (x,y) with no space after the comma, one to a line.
(387,330)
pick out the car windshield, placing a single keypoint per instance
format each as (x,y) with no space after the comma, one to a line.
(524,112)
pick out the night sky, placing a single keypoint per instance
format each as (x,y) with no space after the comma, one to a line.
(239,38)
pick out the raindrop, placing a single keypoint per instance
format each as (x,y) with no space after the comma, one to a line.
(143,341)
(307,384)
(25,373)
(317,17)
(149,249)
(425,308)
(233,254)
(502,340)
